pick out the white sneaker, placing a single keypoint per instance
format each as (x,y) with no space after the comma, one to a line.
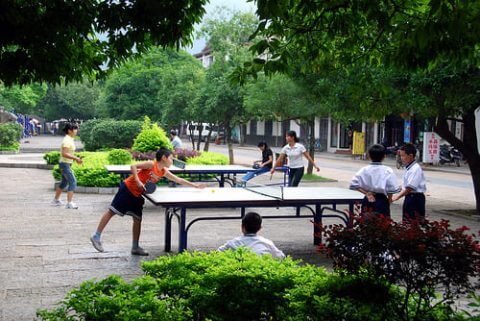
(96,244)
(56,202)
(71,205)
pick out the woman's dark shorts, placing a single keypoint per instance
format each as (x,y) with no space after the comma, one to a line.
(125,203)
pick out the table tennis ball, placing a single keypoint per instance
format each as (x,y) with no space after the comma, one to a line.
(213,190)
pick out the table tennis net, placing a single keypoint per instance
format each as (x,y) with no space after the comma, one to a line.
(271,191)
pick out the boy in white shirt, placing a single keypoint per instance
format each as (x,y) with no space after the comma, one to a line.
(414,185)
(378,182)
(251,224)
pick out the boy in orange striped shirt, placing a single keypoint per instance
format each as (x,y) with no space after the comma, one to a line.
(129,200)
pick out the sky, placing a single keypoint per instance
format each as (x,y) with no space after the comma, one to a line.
(237,5)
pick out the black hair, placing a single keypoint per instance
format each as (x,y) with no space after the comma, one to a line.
(173,132)
(376,152)
(252,222)
(69,126)
(262,143)
(409,149)
(162,152)
(293,134)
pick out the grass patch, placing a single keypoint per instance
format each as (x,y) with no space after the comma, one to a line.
(317,178)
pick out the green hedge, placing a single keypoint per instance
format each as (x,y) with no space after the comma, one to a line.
(52,158)
(208,158)
(237,286)
(106,133)
(92,172)
(10,136)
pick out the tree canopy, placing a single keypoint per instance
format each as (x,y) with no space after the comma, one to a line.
(53,41)
(406,33)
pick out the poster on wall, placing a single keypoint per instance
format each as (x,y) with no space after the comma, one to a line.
(407,130)
(431,147)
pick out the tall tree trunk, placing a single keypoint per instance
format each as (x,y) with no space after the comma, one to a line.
(207,140)
(228,133)
(311,142)
(468,147)
(241,138)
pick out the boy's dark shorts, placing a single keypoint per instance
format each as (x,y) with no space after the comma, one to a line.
(125,203)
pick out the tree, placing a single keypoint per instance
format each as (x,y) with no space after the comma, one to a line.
(227,33)
(73,100)
(280,97)
(56,41)
(22,99)
(437,39)
(147,85)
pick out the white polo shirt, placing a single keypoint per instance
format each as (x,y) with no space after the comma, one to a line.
(376,178)
(258,244)
(294,155)
(414,178)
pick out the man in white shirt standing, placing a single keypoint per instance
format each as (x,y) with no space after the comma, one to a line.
(176,141)
(251,224)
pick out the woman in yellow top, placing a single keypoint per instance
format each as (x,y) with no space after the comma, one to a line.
(67,157)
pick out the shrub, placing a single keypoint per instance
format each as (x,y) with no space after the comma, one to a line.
(119,157)
(92,172)
(232,285)
(184,154)
(151,138)
(10,135)
(422,257)
(114,299)
(52,158)
(106,133)
(209,158)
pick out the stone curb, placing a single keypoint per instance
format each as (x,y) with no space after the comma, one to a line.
(26,165)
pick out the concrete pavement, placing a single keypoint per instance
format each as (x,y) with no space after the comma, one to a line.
(46,252)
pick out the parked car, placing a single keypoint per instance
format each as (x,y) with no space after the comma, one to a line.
(194,128)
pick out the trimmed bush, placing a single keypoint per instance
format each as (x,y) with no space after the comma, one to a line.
(92,172)
(9,136)
(52,158)
(106,133)
(237,286)
(209,158)
(119,157)
(151,138)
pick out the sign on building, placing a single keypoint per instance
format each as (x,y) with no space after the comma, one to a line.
(431,147)
(358,147)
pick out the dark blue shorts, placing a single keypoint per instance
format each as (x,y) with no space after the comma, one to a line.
(125,203)
(381,206)
(414,206)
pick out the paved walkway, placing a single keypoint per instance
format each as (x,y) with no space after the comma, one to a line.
(45,250)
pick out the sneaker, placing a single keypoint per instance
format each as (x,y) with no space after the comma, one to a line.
(71,205)
(97,244)
(56,202)
(139,251)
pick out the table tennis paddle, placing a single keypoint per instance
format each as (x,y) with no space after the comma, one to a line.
(150,187)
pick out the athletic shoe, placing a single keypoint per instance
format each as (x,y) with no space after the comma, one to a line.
(139,251)
(71,205)
(96,244)
(56,202)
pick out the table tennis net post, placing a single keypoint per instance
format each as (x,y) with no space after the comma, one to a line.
(270,191)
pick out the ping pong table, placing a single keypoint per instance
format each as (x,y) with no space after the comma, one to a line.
(316,199)
(222,173)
